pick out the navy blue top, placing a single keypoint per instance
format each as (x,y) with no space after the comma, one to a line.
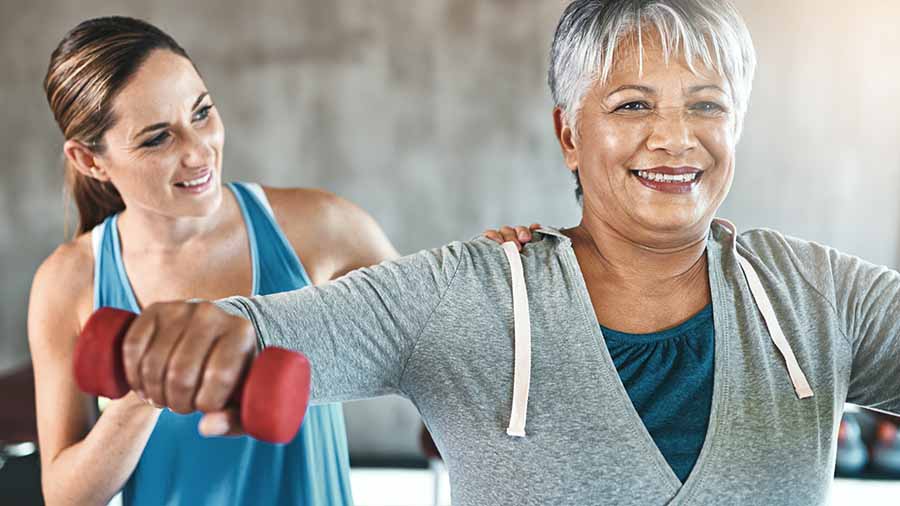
(669,377)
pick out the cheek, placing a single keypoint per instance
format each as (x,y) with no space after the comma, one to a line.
(140,176)
(719,140)
(720,144)
(216,132)
(610,145)
(716,137)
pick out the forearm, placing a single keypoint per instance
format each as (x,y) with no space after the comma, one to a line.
(93,470)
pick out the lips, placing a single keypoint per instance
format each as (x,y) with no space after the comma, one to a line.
(669,179)
(195,180)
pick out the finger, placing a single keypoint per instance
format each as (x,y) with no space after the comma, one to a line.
(221,423)
(183,372)
(535,226)
(136,341)
(225,366)
(155,362)
(523,234)
(132,399)
(493,235)
(508,233)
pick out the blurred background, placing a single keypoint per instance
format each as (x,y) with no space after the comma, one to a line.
(434,116)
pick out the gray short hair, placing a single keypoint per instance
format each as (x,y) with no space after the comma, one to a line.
(590,30)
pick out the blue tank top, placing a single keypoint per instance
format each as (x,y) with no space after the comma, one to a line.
(669,377)
(179,467)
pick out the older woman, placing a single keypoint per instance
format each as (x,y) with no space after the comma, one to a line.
(658,356)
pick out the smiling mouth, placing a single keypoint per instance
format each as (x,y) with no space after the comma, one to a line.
(195,182)
(669,180)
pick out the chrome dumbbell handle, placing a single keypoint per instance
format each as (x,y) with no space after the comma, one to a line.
(15,451)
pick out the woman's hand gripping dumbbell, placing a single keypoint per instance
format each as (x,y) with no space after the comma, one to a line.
(195,357)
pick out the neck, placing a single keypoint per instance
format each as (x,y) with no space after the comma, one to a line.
(153,233)
(639,266)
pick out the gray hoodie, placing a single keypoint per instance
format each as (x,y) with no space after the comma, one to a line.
(816,328)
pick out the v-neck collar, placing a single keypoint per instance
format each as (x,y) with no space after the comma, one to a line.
(119,261)
(723,322)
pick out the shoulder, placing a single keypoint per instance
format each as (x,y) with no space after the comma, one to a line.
(331,234)
(793,260)
(294,200)
(787,252)
(772,244)
(320,209)
(62,289)
(783,257)
(71,265)
(486,259)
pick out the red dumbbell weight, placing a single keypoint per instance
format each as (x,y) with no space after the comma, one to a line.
(272,397)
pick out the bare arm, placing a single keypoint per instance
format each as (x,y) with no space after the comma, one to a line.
(81,464)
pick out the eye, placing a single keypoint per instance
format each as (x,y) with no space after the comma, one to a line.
(202,113)
(156,141)
(708,108)
(634,106)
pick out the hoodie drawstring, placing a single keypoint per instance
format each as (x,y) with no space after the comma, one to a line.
(522,340)
(798,379)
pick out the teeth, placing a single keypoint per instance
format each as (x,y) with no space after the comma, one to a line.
(667,178)
(198,181)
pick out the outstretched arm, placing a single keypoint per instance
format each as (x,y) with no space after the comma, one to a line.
(358,333)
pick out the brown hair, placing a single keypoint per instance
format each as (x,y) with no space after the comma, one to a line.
(88,69)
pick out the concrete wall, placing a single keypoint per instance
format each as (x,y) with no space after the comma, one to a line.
(434,116)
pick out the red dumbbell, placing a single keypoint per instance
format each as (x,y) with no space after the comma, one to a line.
(272,398)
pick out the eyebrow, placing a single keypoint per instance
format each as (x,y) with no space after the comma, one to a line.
(652,91)
(157,126)
(643,89)
(697,89)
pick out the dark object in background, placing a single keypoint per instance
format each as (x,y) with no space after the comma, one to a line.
(852,454)
(20,481)
(20,470)
(18,422)
(884,449)
(426,444)
(868,446)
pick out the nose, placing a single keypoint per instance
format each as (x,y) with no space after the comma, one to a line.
(197,150)
(671,131)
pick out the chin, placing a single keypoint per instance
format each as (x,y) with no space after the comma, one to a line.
(203,208)
(672,221)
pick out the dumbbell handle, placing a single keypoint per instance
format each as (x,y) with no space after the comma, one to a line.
(272,397)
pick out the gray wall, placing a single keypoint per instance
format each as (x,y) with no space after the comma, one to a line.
(434,116)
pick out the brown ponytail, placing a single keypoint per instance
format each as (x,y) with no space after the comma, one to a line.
(87,71)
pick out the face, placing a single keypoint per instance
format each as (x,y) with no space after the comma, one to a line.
(164,153)
(654,149)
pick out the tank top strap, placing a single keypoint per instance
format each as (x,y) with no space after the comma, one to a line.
(97,234)
(111,285)
(277,265)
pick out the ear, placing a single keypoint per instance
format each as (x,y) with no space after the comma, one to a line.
(566,137)
(84,160)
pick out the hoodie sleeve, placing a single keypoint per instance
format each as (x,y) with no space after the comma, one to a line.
(865,300)
(357,331)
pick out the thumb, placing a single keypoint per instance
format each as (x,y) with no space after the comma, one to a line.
(221,423)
